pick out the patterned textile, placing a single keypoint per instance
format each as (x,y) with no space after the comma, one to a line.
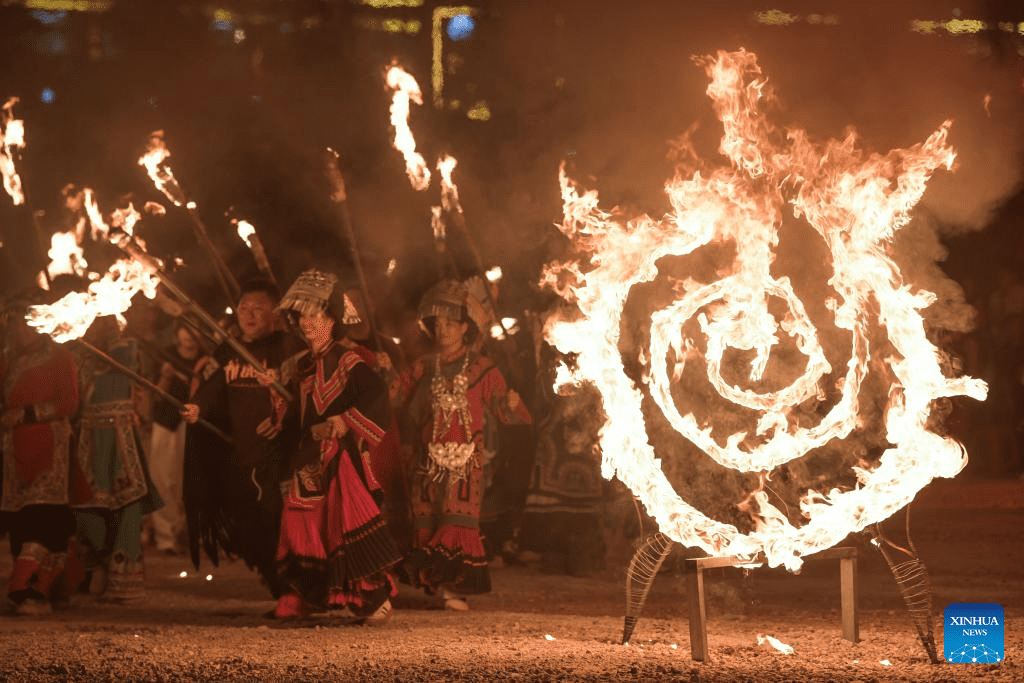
(561,518)
(109,467)
(36,454)
(448,551)
(126,579)
(334,548)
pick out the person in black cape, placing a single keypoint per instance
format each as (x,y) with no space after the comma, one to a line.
(232,492)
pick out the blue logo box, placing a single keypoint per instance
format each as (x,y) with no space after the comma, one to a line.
(973,633)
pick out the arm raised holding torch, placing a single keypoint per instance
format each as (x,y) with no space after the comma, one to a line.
(142,381)
(128,245)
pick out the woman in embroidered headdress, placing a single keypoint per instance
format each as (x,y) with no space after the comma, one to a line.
(335,549)
(40,393)
(456,388)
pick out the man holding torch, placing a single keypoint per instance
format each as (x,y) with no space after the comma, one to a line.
(233,494)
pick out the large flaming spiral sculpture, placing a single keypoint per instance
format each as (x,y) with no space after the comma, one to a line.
(855,202)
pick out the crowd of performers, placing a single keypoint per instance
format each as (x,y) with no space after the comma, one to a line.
(335,467)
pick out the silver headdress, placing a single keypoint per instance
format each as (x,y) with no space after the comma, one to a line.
(446,298)
(311,293)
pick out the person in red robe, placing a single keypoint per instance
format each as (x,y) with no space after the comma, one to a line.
(456,389)
(335,550)
(40,393)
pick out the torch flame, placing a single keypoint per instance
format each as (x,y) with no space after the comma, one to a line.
(66,255)
(71,316)
(12,141)
(856,203)
(100,229)
(405,90)
(246,231)
(154,161)
(449,191)
(437,223)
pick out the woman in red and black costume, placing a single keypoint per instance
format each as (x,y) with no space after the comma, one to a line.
(456,389)
(40,393)
(335,549)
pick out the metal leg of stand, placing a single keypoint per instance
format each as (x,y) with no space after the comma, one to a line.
(698,614)
(847,557)
(848,598)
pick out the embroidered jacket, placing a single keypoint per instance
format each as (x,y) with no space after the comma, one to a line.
(337,382)
(44,381)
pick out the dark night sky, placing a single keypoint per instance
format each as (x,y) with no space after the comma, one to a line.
(604,85)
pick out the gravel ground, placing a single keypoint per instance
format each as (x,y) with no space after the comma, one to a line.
(540,627)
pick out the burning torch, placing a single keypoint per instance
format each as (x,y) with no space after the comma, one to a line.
(252,240)
(163,178)
(136,377)
(153,265)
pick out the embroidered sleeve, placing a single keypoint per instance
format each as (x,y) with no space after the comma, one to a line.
(495,394)
(417,401)
(368,414)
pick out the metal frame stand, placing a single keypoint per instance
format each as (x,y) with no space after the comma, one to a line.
(847,557)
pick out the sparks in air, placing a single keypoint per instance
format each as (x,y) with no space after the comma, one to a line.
(854,202)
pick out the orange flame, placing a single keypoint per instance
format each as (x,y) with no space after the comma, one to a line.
(155,163)
(71,316)
(246,231)
(66,255)
(111,294)
(12,141)
(855,202)
(449,191)
(405,89)
(437,223)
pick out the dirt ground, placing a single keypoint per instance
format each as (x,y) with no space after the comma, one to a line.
(541,627)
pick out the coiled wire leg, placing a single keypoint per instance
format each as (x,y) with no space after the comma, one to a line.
(912,579)
(640,576)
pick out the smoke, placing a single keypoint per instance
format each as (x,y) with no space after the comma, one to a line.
(608,89)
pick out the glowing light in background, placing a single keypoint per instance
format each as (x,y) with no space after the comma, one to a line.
(69,5)
(955,26)
(52,43)
(460,27)
(47,96)
(389,4)
(390,25)
(49,17)
(222,21)
(437,34)
(479,112)
(776,17)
